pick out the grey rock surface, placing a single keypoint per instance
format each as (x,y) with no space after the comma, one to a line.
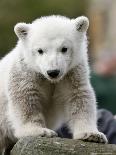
(58,146)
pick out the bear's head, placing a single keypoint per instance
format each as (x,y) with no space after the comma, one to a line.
(53,45)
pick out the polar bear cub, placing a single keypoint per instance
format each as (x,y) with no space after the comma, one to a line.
(45,82)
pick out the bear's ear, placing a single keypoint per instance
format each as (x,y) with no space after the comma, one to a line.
(82,23)
(21,30)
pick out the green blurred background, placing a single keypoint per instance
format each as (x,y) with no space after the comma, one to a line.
(102,34)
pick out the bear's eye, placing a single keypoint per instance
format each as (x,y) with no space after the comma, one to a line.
(64,49)
(40,51)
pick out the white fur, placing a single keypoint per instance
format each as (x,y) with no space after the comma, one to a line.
(50,34)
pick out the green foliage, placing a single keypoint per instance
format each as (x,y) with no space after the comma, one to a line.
(13,11)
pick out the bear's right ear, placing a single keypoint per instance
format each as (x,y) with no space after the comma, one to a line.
(82,23)
(21,30)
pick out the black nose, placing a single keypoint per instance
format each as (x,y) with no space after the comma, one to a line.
(53,73)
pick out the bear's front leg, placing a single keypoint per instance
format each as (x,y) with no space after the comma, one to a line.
(83,108)
(26,103)
(84,125)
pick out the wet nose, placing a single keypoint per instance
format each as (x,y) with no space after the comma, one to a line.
(53,73)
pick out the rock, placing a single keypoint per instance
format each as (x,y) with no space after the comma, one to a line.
(58,146)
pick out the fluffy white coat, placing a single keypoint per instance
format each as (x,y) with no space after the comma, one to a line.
(33,103)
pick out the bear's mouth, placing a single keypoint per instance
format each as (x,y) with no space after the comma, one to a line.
(55,80)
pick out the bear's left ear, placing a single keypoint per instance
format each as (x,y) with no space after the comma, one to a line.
(82,23)
(21,30)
